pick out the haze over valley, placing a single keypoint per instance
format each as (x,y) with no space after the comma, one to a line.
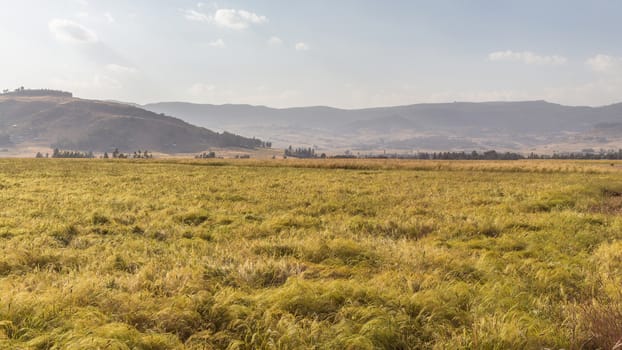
(516,126)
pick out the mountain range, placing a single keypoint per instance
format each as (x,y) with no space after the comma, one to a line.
(45,118)
(440,126)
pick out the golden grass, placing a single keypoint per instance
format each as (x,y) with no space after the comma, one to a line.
(319,254)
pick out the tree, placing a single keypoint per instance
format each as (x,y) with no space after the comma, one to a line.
(71,154)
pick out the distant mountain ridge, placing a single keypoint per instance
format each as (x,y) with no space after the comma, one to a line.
(46,117)
(60,120)
(483,125)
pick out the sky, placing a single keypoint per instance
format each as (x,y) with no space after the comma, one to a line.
(345,53)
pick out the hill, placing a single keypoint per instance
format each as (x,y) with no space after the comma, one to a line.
(503,125)
(59,120)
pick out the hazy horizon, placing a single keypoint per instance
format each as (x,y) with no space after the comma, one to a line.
(361,108)
(351,54)
(181,101)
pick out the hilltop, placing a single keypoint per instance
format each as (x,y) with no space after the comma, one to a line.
(49,118)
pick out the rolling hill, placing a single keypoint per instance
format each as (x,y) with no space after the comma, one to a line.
(51,119)
(442,126)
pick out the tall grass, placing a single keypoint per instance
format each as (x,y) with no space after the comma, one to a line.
(320,254)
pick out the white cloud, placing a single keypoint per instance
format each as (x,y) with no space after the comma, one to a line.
(71,32)
(109,17)
(217,43)
(604,63)
(275,41)
(196,16)
(526,57)
(237,19)
(119,69)
(227,18)
(302,46)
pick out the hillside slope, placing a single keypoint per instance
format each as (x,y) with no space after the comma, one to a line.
(74,123)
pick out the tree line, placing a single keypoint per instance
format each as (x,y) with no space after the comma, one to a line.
(494,155)
(206,155)
(212,155)
(136,155)
(21,91)
(57,153)
(602,155)
(474,155)
(116,154)
(302,152)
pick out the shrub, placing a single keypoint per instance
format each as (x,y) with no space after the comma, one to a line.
(65,235)
(99,219)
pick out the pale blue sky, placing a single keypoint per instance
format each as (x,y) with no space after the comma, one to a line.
(296,53)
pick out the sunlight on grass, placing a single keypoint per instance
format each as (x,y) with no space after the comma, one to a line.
(309,254)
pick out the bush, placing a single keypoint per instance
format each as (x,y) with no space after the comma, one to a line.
(65,235)
(99,219)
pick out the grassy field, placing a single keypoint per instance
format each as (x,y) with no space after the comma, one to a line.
(309,254)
